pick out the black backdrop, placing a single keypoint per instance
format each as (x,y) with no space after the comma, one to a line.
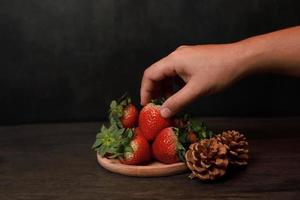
(65,60)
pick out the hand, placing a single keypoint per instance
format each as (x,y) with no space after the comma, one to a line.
(205,69)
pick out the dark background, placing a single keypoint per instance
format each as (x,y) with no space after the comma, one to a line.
(65,60)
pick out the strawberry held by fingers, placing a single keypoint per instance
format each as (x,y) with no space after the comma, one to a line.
(151,122)
(123,113)
(138,152)
(167,148)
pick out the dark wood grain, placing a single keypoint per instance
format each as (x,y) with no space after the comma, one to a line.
(54,161)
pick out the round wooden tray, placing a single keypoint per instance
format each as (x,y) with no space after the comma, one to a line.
(153,169)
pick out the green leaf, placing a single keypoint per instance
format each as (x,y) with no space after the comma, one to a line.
(203,135)
(128,133)
(113,142)
(101,150)
(201,130)
(103,128)
(99,134)
(128,149)
(181,152)
(111,150)
(113,104)
(108,140)
(182,136)
(96,144)
(119,132)
(116,110)
(124,98)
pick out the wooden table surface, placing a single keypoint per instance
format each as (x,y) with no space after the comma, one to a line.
(54,161)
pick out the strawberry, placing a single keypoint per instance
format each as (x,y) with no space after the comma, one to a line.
(129,146)
(151,122)
(192,137)
(166,147)
(194,131)
(139,150)
(123,113)
(130,116)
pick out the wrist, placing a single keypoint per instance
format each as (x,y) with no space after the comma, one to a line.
(254,55)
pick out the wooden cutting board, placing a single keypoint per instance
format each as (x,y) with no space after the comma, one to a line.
(154,169)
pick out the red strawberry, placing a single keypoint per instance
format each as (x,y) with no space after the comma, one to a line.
(192,137)
(166,147)
(130,116)
(141,151)
(123,113)
(151,122)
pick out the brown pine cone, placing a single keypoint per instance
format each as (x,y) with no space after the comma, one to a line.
(237,147)
(207,159)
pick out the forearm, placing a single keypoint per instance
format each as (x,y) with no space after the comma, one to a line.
(276,52)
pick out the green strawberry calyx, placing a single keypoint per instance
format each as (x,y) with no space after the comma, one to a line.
(180,147)
(116,110)
(113,142)
(200,129)
(186,125)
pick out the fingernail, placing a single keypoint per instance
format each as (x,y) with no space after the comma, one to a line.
(165,112)
(142,103)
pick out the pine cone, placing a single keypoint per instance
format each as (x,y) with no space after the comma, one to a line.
(237,147)
(207,159)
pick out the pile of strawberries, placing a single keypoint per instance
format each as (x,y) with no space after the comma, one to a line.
(137,138)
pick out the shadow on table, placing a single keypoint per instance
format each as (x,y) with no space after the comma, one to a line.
(232,173)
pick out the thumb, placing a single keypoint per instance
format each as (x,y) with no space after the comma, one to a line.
(180,99)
